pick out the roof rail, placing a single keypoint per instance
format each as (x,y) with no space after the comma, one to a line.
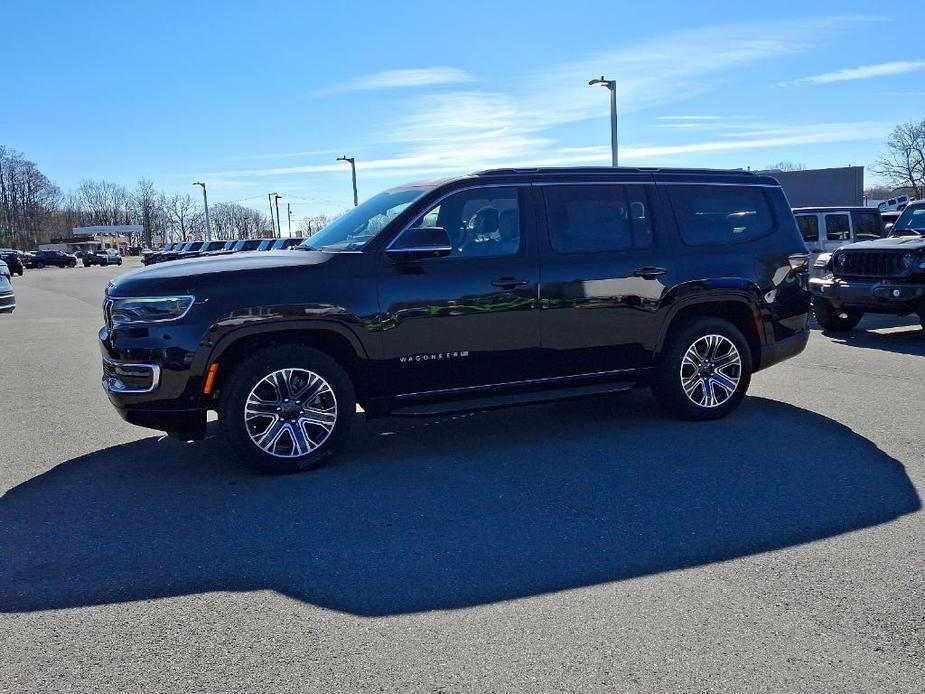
(509,171)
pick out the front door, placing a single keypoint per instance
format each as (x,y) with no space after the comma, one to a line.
(604,271)
(468,320)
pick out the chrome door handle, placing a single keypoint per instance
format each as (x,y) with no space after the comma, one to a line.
(649,272)
(507,282)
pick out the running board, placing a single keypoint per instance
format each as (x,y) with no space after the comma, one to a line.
(496,401)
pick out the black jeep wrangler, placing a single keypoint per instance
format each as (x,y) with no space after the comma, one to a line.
(500,288)
(882,276)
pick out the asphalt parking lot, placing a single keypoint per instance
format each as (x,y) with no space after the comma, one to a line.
(588,546)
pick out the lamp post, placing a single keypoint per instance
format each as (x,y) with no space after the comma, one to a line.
(353,171)
(270,199)
(277,196)
(612,86)
(205,202)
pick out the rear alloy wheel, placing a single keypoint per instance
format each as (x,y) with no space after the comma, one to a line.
(705,370)
(835,319)
(287,408)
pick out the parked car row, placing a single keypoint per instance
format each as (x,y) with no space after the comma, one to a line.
(198,249)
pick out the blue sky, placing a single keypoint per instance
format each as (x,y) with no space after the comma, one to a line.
(255,98)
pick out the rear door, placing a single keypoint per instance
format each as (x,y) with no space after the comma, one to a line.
(606,264)
(837,230)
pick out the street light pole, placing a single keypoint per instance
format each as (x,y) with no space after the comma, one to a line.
(205,202)
(270,199)
(277,196)
(289,216)
(612,86)
(353,171)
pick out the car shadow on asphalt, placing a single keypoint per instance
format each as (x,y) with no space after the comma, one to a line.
(909,341)
(424,515)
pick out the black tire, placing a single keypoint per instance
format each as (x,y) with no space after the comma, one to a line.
(248,376)
(668,385)
(40,265)
(921,316)
(830,318)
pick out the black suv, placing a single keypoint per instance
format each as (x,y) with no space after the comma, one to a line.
(881,276)
(57,258)
(499,288)
(13,262)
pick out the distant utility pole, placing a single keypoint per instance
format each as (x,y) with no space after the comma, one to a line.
(289,215)
(277,196)
(353,171)
(270,198)
(205,202)
(612,86)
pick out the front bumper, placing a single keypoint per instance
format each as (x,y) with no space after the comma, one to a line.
(151,385)
(7,302)
(884,296)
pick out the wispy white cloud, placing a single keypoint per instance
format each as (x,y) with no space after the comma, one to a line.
(449,132)
(864,72)
(396,79)
(283,155)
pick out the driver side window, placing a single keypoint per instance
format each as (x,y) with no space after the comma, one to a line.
(482,222)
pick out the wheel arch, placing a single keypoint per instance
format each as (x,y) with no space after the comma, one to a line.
(738,308)
(334,340)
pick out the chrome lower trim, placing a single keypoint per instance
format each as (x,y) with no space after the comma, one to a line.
(155,376)
(506,384)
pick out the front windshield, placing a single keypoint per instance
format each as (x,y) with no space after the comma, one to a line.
(361,224)
(910,222)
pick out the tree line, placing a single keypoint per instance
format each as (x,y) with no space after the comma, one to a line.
(33,210)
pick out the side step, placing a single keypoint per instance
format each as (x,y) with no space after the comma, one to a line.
(496,401)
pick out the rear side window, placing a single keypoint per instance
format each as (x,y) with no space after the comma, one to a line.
(809,226)
(837,227)
(719,215)
(867,225)
(595,218)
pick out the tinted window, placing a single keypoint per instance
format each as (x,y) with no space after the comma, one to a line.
(479,222)
(591,218)
(719,215)
(867,225)
(809,227)
(837,227)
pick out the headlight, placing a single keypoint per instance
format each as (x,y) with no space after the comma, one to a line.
(841,259)
(148,309)
(908,260)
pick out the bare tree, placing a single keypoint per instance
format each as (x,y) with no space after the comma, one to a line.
(182,214)
(903,164)
(312,225)
(146,203)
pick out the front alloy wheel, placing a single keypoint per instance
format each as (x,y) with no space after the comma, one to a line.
(290,413)
(286,408)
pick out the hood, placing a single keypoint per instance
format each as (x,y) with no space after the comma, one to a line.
(187,275)
(896,243)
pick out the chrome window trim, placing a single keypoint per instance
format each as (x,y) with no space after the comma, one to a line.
(108,302)
(155,376)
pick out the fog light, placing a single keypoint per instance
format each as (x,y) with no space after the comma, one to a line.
(896,293)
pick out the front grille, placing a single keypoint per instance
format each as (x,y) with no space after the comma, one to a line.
(870,264)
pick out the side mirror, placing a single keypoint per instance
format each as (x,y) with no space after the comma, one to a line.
(420,242)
